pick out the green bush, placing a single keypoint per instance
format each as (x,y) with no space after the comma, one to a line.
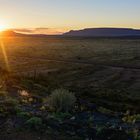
(11,101)
(61,116)
(9,106)
(131,118)
(24,115)
(62,100)
(34,123)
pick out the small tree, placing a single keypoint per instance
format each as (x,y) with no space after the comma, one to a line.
(62,100)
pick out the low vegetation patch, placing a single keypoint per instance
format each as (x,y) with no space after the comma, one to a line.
(62,100)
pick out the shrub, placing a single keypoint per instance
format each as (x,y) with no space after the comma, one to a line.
(61,116)
(34,123)
(9,106)
(131,118)
(62,100)
(24,115)
(11,101)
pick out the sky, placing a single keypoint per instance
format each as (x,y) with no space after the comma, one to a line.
(56,16)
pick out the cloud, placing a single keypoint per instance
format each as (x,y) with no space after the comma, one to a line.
(48,31)
(23,30)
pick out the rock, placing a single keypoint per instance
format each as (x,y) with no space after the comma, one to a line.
(72,118)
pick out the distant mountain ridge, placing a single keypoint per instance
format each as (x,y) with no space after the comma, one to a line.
(104,32)
(12,33)
(89,32)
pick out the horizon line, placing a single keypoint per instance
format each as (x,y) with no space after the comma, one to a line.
(54,31)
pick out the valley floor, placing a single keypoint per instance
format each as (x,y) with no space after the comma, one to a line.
(104,74)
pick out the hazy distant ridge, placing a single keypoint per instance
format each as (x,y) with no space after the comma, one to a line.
(89,32)
(104,32)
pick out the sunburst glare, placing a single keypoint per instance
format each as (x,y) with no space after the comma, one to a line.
(2,28)
(4,54)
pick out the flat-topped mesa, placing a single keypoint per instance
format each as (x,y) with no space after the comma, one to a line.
(104,32)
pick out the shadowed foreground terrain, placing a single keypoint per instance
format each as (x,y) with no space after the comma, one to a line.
(103,73)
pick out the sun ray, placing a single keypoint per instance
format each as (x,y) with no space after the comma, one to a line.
(4,54)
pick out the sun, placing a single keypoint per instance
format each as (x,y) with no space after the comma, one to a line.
(2,27)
